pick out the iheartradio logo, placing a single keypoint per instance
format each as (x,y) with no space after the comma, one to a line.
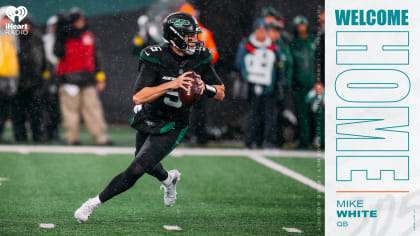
(16,14)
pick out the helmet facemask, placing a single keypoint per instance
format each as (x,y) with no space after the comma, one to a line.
(193,44)
(181,30)
(187,42)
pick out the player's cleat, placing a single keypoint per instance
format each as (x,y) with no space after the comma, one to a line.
(82,214)
(169,186)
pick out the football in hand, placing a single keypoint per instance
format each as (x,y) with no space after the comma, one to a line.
(193,92)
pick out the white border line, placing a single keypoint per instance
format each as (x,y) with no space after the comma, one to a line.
(288,172)
(256,155)
(24,149)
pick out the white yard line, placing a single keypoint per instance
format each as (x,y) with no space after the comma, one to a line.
(288,172)
(66,149)
(177,152)
(257,155)
(245,152)
(292,230)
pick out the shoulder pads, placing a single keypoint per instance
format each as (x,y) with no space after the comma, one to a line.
(152,54)
(204,56)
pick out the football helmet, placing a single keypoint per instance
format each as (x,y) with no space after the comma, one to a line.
(176,27)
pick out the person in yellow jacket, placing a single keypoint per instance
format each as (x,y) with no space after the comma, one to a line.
(9,69)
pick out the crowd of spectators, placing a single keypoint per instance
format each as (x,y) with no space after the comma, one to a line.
(51,78)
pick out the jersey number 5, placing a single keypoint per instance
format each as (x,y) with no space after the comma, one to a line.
(173,99)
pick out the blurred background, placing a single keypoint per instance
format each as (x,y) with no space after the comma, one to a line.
(122,28)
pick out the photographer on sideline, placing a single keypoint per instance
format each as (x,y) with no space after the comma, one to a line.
(80,78)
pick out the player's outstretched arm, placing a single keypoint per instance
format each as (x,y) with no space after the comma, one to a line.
(148,94)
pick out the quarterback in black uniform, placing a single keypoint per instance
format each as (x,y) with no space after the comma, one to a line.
(161,118)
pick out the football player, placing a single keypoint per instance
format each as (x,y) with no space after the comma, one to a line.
(161,118)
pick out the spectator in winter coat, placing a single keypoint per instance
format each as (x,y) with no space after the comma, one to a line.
(27,105)
(259,61)
(303,47)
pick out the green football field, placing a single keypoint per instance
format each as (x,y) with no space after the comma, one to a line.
(217,195)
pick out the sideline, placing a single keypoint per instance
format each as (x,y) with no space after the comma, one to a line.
(256,155)
(26,149)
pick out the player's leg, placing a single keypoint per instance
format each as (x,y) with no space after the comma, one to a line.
(140,139)
(146,159)
(159,172)
(169,180)
(151,162)
(127,178)
(119,184)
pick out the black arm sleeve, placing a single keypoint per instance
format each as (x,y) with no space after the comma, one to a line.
(146,76)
